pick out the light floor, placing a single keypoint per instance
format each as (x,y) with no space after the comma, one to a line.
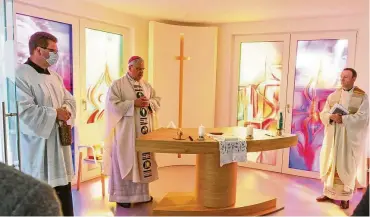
(296,193)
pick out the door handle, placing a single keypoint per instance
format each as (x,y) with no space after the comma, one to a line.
(5,134)
(84,103)
(287,108)
(18,137)
(6,115)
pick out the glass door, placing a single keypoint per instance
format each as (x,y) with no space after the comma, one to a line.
(261,65)
(9,133)
(104,51)
(317,59)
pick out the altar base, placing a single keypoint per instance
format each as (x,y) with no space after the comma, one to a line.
(215,186)
(215,194)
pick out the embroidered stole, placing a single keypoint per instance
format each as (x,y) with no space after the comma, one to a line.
(355,101)
(146,162)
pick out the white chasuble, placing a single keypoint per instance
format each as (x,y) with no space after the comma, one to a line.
(124,123)
(342,157)
(42,155)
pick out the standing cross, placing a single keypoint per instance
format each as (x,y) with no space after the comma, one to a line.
(181,58)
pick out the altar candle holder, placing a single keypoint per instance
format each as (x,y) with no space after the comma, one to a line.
(201,138)
(279,132)
(249,132)
(179,134)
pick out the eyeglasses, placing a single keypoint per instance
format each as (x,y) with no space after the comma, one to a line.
(140,69)
(51,50)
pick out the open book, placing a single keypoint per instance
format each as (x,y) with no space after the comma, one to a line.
(338,109)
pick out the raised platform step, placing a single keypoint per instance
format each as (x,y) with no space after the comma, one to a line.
(185,204)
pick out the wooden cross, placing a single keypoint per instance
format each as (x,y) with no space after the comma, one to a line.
(181,58)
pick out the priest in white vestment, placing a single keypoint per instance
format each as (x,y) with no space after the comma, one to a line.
(343,152)
(131,108)
(44,103)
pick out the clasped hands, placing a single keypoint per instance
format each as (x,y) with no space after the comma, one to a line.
(141,102)
(337,118)
(63,114)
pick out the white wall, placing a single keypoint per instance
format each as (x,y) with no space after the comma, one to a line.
(225,44)
(138,27)
(199,78)
(199,72)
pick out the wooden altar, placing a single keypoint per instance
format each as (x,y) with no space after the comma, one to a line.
(215,191)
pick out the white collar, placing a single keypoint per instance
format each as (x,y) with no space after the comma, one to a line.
(131,79)
(348,91)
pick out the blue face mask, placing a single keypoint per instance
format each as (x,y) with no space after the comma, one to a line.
(53,58)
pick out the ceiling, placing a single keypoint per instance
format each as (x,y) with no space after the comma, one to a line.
(225,11)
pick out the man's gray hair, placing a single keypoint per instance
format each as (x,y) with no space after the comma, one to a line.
(135,62)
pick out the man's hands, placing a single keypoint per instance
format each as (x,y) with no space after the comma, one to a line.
(63,114)
(337,118)
(142,102)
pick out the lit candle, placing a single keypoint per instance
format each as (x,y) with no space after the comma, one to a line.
(201,131)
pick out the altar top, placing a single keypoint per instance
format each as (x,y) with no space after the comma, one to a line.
(162,141)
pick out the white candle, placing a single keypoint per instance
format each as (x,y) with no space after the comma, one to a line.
(249,130)
(201,131)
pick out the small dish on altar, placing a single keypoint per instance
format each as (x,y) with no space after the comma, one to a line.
(216,133)
(179,138)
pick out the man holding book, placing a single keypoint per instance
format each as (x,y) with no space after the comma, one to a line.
(342,158)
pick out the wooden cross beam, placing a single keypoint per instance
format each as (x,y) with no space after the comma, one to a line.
(181,58)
